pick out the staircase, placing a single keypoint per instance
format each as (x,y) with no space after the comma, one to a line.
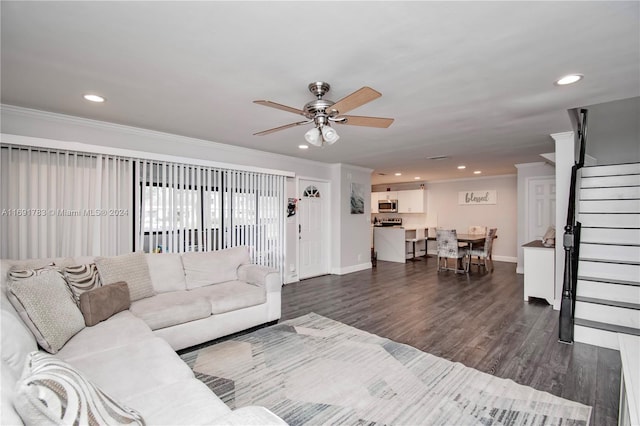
(608,287)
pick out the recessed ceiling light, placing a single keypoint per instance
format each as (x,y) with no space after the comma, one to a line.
(93,98)
(461,167)
(417,178)
(569,79)
(477,172)
(303,146)
(398,174)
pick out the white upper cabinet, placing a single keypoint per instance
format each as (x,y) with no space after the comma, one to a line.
(387,195)
(374,201)
(411,201)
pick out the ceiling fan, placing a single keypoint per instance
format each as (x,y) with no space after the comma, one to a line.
(323,112)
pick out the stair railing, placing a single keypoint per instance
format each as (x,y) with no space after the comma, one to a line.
(571,239)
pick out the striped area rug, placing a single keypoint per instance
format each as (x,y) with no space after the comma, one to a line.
(315,371)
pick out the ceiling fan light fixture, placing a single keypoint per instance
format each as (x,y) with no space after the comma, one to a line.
(329,135)
(313,137)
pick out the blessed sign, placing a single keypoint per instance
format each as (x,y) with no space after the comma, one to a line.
(481,196)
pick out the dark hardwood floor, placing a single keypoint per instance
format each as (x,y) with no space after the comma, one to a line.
(481,321)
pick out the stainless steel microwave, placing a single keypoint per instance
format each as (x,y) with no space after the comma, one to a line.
(388,206)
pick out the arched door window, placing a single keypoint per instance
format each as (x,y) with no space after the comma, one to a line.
(311,192)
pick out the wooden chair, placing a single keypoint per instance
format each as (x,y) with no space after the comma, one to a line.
(420,236)
(477,230)
(447,241)
(484,254)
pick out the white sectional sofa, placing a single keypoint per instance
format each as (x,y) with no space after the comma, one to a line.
(130,356)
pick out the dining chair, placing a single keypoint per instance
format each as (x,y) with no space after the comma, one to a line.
(477,229)
(484,254)
(447,242)
(420,236)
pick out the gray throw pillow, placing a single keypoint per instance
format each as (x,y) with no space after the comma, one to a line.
(52,392)
(101,303)
(45,305)
(131,268)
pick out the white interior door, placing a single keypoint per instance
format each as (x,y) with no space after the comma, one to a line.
(541,211)
(312,229)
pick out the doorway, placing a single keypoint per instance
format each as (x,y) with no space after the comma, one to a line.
(313,228)
(541,206)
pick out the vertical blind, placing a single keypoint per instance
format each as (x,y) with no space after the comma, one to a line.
(185,208)
(61,203)
(65,203)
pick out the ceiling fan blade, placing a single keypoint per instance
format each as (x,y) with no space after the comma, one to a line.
(354,100)
(356,120)
(279,106)
(277,129)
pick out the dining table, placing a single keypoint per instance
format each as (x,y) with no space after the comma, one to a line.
(470,239)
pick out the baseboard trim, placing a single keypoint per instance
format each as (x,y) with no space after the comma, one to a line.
(352,268)
(509,259)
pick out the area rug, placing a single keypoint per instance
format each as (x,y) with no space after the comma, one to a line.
(315,371)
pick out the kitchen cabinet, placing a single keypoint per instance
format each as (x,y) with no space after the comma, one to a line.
(411,201)
(375,196)
(387,195)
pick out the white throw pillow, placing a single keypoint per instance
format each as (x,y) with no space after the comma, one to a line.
(45,304)
(167,272)
(51,392)
(213,267)
(131,268)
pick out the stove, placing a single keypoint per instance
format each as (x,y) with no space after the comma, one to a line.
(390,221)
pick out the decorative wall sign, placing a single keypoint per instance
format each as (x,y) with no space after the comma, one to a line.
(357,198)
(480,196)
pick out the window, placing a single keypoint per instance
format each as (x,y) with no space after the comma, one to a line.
(190,208)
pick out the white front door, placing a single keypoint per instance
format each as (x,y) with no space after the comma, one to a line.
(541,211)
(313,228)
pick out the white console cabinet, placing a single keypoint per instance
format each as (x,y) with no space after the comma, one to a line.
(539,271)
(629,413)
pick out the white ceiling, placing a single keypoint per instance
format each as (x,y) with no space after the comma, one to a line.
(470,80)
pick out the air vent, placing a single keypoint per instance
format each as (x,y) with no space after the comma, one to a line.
(382,174)
(438,157)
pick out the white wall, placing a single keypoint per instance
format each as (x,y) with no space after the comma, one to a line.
(354,253)
(25,122)
(442,203)
(614,125)
(525,172)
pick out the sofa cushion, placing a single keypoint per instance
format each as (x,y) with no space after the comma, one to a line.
(212,267)
(131,268)
(187,402)
(231,296)
(81,278)
(122,329)
(132,369)
(16,341)
(103,302)
(167,309)
(167,272)
(47,308)
(8,414)
(51,392)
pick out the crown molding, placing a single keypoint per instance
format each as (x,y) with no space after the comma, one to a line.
(138,131)
(472,178)
(528,165)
